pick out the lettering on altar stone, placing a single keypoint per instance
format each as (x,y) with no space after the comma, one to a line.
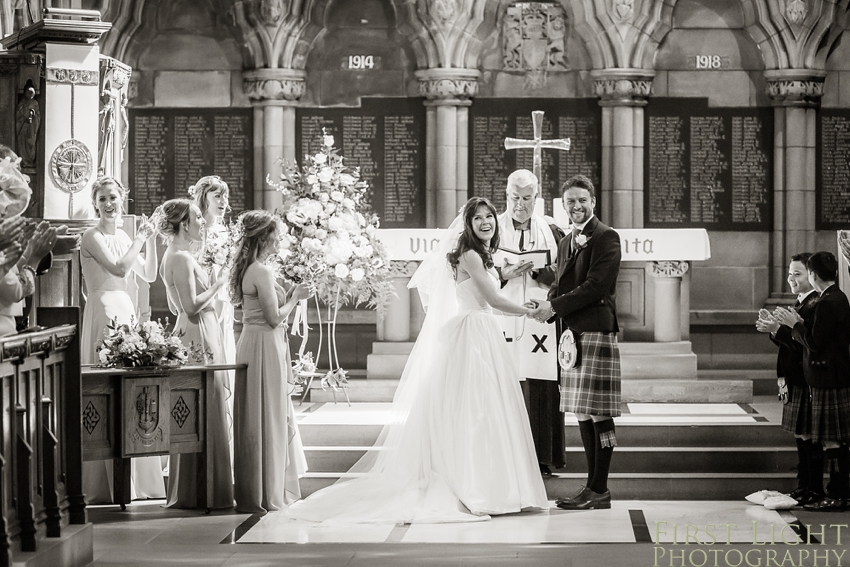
(707,167)
(385,139)
(170,149)
(492,120)
(832,187)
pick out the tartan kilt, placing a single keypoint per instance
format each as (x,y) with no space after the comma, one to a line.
(593,387)
(797,413)
(831,414)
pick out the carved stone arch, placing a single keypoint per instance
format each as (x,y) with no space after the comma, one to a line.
(406,19)
(132,27)
(621,33)
(798,34)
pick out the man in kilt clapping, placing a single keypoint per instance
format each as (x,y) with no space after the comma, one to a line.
(582,301)
(825,337)
(793,388)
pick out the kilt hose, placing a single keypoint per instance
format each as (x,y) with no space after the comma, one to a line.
(593,387)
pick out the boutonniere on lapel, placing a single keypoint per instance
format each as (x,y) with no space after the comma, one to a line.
(581,241)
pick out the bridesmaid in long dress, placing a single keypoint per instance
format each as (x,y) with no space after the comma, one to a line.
(269,455)
(212,195)
(109,258)
(191,294)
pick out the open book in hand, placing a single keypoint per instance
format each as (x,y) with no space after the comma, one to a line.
(538,258)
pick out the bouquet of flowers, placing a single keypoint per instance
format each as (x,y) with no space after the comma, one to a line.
(218,247)
(15,190)
(330,240)
(146,344)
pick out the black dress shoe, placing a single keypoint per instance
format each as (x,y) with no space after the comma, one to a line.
(808,497)
(587,500)
(579,496)
(545,471)
(827,505)
(798,493)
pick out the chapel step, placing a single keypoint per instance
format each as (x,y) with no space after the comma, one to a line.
(633,390)
(658,486)
(630,460)
(763,380)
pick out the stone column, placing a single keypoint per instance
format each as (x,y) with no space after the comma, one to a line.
(796,95)
(623,94)
(275,94)
(668,295)
(447,146)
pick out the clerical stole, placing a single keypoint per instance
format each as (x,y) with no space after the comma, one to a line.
(534,344)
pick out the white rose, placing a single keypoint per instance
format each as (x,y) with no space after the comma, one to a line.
(348,204)
(326,175)
(357,274)
(335,224)
(337,196)
(321,233)
(312,179)
(310,230)
(341,271)
(323,197)
(330,208)
(320,159)
(328,141)
(346,179)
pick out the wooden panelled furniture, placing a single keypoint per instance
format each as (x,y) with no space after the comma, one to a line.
(142,412)
(40,435)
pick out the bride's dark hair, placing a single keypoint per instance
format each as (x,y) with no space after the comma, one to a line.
(468,240)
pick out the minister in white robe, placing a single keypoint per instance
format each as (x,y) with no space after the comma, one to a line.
(534,344)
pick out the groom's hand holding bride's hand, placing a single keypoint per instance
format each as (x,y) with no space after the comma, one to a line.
(541,311)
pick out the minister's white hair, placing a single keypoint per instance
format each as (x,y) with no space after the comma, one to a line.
(522,178)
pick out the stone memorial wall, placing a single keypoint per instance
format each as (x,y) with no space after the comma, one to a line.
(493,120)
(833,170)
(707,167)
(385,138)
(170,149)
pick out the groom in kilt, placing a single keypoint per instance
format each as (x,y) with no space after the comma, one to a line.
(583,301)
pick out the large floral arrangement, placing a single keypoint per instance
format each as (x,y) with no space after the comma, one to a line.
(145,344)
(331,238)
(330,242)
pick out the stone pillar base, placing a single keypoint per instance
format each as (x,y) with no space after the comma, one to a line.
(387,360)
(658,361)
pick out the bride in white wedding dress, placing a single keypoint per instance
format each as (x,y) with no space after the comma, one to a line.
(458,447)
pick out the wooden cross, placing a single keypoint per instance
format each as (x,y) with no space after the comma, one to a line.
(537,144)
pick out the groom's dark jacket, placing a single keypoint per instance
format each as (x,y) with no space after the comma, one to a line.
(584,295)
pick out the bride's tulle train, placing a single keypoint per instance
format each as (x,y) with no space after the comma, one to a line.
(459,446)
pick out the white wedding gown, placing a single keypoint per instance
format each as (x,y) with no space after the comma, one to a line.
(459,447)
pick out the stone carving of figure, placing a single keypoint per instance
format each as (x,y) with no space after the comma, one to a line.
(624,8)
(107,126)
(796,11)
(557,31)
(28,118)
(512,38)
(445,9)
(534,41)
(271,11)
(125,125)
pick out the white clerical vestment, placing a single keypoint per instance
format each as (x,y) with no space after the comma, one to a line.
(534,344)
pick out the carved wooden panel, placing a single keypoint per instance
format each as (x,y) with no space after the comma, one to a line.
(98,415)
(146,426)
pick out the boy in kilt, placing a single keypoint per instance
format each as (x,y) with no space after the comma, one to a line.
(793,389)
(582,300)
(825,336)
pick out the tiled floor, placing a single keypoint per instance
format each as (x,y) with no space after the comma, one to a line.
(632,533)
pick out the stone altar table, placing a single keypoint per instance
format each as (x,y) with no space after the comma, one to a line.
(140,412)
